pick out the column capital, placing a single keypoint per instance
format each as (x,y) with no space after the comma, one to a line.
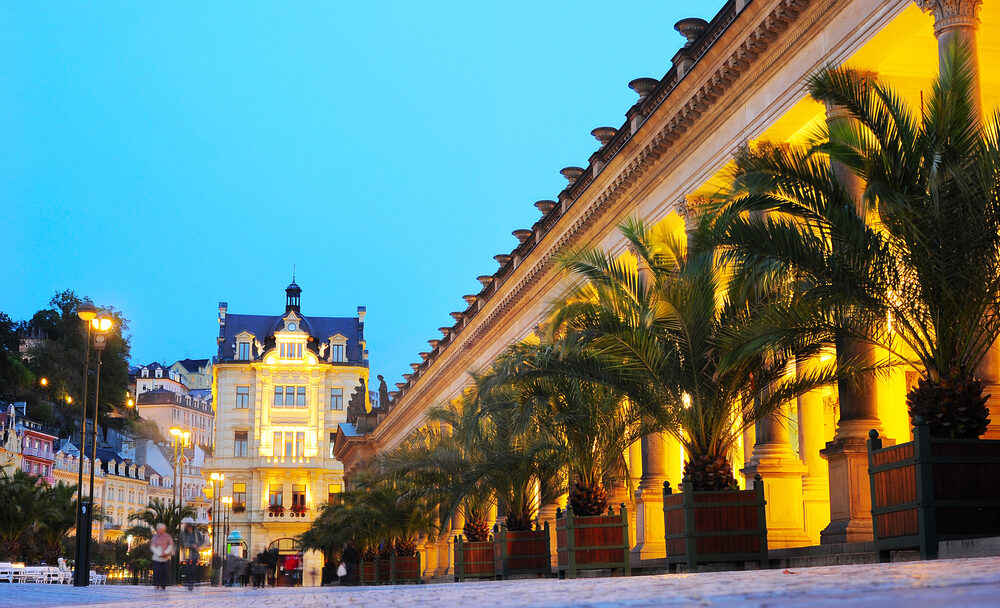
(952,14)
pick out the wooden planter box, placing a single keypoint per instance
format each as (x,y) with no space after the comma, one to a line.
(592,542)
(473,559)
(389,571)
(368,572)
(522,552)
(404,569)
(928,490)
(711,527)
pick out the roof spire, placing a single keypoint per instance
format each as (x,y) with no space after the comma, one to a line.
(293,271)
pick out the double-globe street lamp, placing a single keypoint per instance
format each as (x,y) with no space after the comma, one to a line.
(179,437)
(100,322)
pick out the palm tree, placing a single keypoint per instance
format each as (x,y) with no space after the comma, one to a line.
(436,461)
(677,339)
(62,499)
(913,267)
(158,512)
(23,508)
(592,424)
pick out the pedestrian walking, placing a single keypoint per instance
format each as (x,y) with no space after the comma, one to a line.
(162,548)
(192,540)
(349,560)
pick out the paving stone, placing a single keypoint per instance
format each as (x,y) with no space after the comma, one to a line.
(955,583)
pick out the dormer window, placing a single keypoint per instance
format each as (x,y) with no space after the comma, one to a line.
(159,373)
(243,351)
(145,373)
(338,349)
(290,350)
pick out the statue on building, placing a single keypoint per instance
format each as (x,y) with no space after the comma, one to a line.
(383,393)
(322,350)
(356,406)
(260,347)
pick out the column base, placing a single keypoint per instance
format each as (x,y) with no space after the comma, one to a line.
(430,558)
(850,489)
(815,506)
(782,474)
(649,524)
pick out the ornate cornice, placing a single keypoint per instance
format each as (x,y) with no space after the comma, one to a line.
(684,114)
(952,14)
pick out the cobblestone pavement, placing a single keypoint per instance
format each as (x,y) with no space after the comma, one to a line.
(955,583)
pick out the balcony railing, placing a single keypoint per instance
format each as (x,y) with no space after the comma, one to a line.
(38,453)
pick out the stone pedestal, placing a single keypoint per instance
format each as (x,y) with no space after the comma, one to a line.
(774,460)
(850,490)
(649,542)
(816,481)
(430,558)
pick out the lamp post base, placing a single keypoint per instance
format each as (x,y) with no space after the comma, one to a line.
(81,572)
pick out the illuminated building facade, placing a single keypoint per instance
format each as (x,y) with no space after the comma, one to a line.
(281,387)
(737,78)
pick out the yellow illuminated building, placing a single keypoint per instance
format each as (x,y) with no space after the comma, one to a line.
(282,385)
(738,78)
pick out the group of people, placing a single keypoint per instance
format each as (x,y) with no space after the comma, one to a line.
(163,549)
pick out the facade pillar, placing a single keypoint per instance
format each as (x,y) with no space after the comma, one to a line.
(649,542)
(430,551)
(958,21)
(774,460)
(816,481)
(847,454)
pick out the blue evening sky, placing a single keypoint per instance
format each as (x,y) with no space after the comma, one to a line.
(162,157)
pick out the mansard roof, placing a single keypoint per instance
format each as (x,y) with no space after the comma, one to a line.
(319,328)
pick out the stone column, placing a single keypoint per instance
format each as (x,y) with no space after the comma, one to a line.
(649,542)
(815,483)
(847,454)
(958,21)
(774,460)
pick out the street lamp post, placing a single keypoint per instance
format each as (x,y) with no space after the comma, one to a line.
(179,437)
(88,313)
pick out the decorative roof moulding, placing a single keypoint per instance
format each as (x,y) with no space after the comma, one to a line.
(433,343)
(545,206)
(415,366)
(401,385)
(445,331)
(691,28)
(458,316)
(571,174)
(424,355)
(485,279)
(407,377)
(643,86)
(604,134)
(470,299)
(522,234)
(502,258)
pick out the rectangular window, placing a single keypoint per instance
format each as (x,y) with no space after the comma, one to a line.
(289,396)
(299,496)
(242,397)
(276,446)
(336,398)
(290,350)
(300,444)
(332,491)
(289,444)
(244,351)
(240,442)
(275,496)
(240,494)
(337,352)
(333,438)
(300,396)
(279,392)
